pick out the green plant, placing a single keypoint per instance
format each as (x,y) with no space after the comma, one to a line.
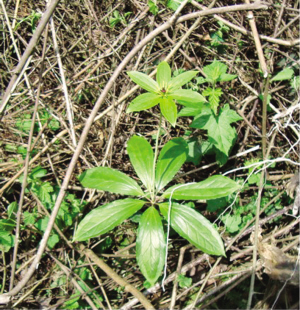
(155,173)
(32,18)
(7,239)
(118,18)
(187,222)
(217,37)
(164,91)
(235,215)
(153,8)
(24,123)
(47,194)
(221,135)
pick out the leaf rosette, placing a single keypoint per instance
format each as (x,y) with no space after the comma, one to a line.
(154,177)
(165,91)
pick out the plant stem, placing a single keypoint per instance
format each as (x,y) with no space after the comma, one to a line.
(155,157)
(259,198)
(4,273)
(264,119)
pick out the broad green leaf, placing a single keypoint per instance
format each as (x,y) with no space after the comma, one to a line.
(43,192)
(163,75)
(52,241)
(174,4)
(214,95)
(232,222)
(42,223)
(285,74)
(181,79)
(169,110)
(143,102)
(194,227)
(29,218)
(150,245)
(220,133)
(38,172)
(214,71)
(191,110)
(152,7)
(110,180)
(7,241)
(184,282)
(295,83)
(187,96)
(200,80)
(195,152)
(225,77)
(106,217)
(171,158)
(214,187)
(7,224)
(143,80)
(12,210)
(142,159)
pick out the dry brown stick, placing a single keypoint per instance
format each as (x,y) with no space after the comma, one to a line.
(98,104)
(32,44)
(259,50)
(279,18)
(287,26)
(70,112)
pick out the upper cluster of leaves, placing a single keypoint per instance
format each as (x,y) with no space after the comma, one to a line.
(164,91)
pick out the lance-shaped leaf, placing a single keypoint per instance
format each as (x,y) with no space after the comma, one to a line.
(214,187)
(110,180)
(143,80)
(191,110)
(181,79)
(104,218)
(171,158)
(194,227)
(186,96)
(143,102)
(285,74)
(163,75)
(142,159)
(169,110)
(150,245)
